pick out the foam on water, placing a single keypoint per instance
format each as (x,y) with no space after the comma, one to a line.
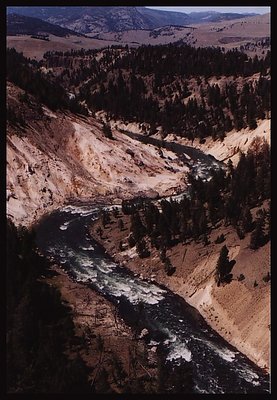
(82,259)
(227,355)
(198,390)
(121,288)
(110,208)
(64,226)
(87,248)
(136,297)
(87,268)
(85,261)
(86,275)
(105,266)
(135,291)
(153,343)
(113,282)
(81,210)
(249,375)
(179,350)
(224,353)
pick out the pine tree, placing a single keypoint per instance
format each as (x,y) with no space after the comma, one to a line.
(250,115)
(107,131)
(142,249)
(164,231)
(257,238)
(222,266)
(105,218)
(169,268)
(120,246)
(247,220)
(137,228)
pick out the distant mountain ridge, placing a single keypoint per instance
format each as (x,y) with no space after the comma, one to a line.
(94,20)
(22,25)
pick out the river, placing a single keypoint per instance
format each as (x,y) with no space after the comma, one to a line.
(173,325)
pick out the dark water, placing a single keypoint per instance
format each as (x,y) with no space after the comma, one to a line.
(199,163)
(172,324)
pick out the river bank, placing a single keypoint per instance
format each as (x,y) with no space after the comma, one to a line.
(231,310)
(108,345)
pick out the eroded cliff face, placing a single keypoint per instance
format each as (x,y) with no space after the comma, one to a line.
(61,156)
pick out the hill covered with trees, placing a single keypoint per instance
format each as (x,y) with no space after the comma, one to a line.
(192,92)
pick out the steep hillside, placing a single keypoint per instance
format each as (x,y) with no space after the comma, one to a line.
(211,247)
(59,155)
(66,118)
(97,162)
(41,175)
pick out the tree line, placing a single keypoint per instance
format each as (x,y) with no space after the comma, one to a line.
(169,60)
